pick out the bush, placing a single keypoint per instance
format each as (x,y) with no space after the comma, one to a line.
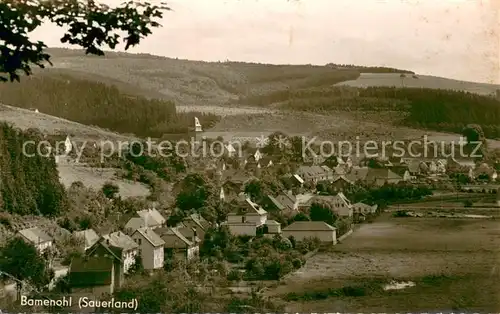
(401,213)
(468,203)
(234,275)
(297,263)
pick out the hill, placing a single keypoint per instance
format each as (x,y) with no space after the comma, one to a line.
(90,102)
(231,88)
(420,81)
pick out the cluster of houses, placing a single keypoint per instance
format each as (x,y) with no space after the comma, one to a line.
(146,237)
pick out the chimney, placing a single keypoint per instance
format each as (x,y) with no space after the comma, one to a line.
(107,241)
(195,234)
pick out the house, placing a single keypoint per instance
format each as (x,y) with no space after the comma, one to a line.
(89,237)
(148,218)
(381,176)
(485,172)
(233,181)
(102,249)
(414,168)
(292,181)
(253,155)
(39,239)
(230,150)
(403,172)
(271,204)
(177,245)
(301,230)
(341,170)
(340,204)
(304,201)
(289,201)
(266,161)
(126,246)
(345,161)
(341,183)
(196,221)
(364,209)
(357,174)
(273,227)
(247,219)
(96,275)
(315,173)
(150,248)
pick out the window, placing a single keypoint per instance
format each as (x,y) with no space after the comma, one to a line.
(139,241)
(243,219)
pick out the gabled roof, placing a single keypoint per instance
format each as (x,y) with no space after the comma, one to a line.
(35,235)
(342,177)
(276,203)
(381,173)
(365,206)
(272,222)
(89,236)
(298,178)
(400,170)
(286,199)
(120,240)
(250,208)
(189,233)
(90,271)
(199,221)
(151,236)
(173,238)
(357,174)
(151,217)
(309,226)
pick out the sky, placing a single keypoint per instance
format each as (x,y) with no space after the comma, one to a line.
(457,39)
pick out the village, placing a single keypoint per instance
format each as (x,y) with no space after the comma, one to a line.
(314,208)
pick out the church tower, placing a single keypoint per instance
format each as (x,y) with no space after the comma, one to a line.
(198,131)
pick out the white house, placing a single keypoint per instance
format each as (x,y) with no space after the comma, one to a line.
(301,230)
(364,209)
(129,248)
(247,219)
(149,218)
(231,151)
(67,145)
(151,247)
(341,205)
(273,227)
(37,238)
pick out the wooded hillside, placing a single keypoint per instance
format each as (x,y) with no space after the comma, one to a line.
(94,103)
(29,185)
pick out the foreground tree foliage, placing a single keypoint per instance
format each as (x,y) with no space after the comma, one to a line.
(29,184)
(89,25)
(21,260)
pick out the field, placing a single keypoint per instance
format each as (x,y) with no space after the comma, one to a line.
(422,81)
(95,178)
(452,262)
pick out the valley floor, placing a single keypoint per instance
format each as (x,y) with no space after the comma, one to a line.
(454,264)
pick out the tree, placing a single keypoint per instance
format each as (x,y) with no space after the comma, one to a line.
(322,212)
(195,192)
(23,262)
(89,25)
(110,190)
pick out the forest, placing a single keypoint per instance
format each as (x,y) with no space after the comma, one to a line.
(440,110)
(101,105)
(29,185)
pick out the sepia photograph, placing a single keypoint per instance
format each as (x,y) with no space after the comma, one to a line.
(249,156)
